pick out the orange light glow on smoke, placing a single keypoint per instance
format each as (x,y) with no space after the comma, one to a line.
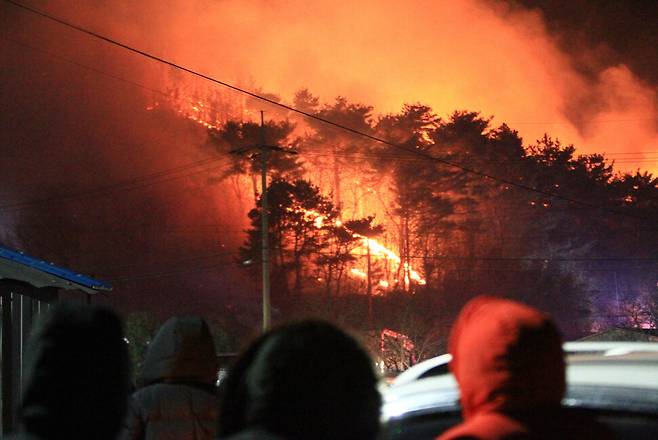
(464,54)
(478,55)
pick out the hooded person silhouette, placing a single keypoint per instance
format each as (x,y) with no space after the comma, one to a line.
(176,396)
(509,364)
(307,380)
(77,378)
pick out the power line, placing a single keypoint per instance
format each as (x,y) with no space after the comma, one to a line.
(217,230)
(152,275)
(588,121)
(614,153)
(162,274)
(167,175)
(172,262)
(444,257)
(155,177)
(538,259)
(84,66)
(399,157)
(415,151)
(220,230)
(531,259)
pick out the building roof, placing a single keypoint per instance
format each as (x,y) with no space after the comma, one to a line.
(18,266)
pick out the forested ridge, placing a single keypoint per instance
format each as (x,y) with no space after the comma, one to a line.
(493,214)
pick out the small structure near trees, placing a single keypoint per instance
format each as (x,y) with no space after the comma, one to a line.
(397,351)
(28,288)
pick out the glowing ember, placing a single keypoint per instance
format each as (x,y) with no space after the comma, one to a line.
(380,251)
(311,215)
(415,276)
(358,273)
(193,109)
(377,249)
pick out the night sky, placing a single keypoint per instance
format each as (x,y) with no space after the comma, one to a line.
(618,31)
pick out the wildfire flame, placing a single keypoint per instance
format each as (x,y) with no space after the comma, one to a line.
(377,251)
(201,113)
(197,111)
(193,109)
(317,218)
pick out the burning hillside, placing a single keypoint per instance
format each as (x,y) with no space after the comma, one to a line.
(135,154)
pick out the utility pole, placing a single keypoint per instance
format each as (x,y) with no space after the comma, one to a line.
(617,296)
(264,151)
(369,285)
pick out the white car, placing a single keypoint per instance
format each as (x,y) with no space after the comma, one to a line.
(615,382)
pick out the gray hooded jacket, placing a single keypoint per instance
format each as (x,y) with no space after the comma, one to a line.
(176,397)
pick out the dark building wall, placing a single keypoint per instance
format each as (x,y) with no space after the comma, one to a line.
(21,304)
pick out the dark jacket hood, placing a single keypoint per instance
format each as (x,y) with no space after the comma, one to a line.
(182,351)
(77,377)
(506,357)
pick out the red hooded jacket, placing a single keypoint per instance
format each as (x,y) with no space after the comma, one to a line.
(509,364)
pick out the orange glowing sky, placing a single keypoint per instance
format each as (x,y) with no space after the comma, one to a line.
(452,54)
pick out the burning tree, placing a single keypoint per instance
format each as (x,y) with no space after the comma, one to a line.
(423,203)
(334,262)
(311,245)
(365,230)
(295,231)
(242,138)
(332,149)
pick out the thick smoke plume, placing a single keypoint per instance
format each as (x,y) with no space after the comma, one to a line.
(483,56)
(95,182)
(469,54)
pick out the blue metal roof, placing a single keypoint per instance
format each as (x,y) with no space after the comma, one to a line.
(36,269)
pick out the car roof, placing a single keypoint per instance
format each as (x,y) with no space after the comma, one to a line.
(432,367)
(620,364)
(599,374)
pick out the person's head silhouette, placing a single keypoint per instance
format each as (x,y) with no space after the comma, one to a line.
(77,379)
(302,381)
